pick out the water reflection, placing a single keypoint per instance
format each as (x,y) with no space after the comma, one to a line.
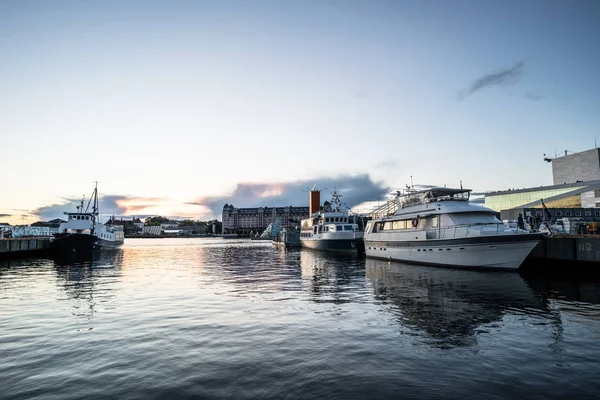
(450,307)
(332,277)
(89,280)
(573,296)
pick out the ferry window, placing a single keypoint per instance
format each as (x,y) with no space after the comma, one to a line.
(434,222)
(347,227)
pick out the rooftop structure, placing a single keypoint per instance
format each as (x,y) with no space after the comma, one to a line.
(582,166)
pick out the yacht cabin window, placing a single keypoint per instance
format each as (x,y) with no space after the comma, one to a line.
(434,222)
(347,227)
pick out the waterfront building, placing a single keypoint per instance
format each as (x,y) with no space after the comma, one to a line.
(583,166)
(247,220)
(570,195)
(152,230)
(130,226)
(576,179)
(170,225)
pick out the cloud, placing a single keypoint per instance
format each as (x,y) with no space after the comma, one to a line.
(503,77)
(5,215)
(119,206)
(354,189)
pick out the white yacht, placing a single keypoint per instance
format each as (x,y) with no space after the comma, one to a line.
(83,232)
(331,228)
(439,226)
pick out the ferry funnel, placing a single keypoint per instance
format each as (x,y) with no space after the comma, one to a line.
(314,201)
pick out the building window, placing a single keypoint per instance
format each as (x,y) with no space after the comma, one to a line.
(588,213)
(597,193)
(578,213)
(568,213)
(597,213)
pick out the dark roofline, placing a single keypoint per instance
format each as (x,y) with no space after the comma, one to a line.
(535,189)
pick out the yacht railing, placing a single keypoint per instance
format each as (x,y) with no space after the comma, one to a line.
(469,230)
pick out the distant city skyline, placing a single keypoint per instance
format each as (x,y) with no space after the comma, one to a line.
(177,107)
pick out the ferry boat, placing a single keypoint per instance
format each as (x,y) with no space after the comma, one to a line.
(439,226)
(83,232)
(331,228)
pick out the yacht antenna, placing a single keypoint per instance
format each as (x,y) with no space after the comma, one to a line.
(461,184)
(411,183)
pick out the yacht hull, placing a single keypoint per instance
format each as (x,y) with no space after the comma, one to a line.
(348,246)
(494,252)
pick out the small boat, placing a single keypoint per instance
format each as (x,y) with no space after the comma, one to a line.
(331,228)
(439,226)
(287,238)
(83,232)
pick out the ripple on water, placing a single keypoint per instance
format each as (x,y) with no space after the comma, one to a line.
(214,318)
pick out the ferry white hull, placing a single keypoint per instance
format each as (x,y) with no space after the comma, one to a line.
(349,246)
(500,252)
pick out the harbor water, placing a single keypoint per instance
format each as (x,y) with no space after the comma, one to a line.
(241,319)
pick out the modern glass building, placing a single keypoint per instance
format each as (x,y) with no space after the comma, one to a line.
(569,195)
(576,179)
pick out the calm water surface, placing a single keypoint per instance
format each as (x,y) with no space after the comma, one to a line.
(235,319)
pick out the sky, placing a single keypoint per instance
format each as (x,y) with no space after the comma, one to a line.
(178,107)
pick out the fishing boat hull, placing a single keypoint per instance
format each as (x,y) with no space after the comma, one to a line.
(495,252)
(68,243)
(348,246)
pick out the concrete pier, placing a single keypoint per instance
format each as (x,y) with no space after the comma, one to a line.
(22,247)
(566,255)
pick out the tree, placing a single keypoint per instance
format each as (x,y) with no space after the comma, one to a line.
(154,221)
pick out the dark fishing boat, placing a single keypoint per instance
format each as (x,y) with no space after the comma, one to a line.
(83,232)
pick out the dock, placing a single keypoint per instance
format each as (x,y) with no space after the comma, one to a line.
(565,255)
(24,247)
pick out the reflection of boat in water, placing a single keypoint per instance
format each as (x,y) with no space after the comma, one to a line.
(85,278)
(83,232)
(332,228)
(335,278)
(449,305)
(439,226)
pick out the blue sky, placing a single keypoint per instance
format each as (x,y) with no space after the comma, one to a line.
(167,103)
